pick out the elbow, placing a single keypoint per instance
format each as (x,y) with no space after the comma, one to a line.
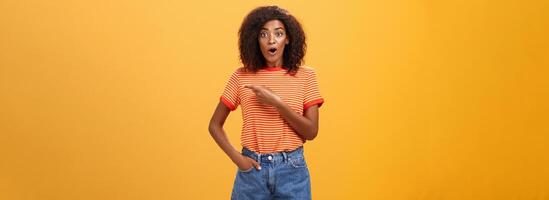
(215,127)
(212,127)
(311,130)
(312,135)
(310,138)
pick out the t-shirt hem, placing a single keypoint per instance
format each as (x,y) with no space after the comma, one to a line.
(227,103)
(319,101)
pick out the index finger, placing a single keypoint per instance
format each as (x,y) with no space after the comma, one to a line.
(253,87)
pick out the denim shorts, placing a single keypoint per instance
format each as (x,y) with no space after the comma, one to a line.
(283,175)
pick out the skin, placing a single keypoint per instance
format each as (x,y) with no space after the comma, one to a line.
(273,35)
(306,126)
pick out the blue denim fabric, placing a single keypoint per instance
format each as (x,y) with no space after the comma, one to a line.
(283,175)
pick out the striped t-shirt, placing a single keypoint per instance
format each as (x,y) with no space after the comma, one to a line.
(264,129)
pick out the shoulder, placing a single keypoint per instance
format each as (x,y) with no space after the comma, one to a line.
(307,71)
(306,68)
(238,71)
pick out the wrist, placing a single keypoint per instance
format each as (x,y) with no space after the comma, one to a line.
(236,157)
(279,103)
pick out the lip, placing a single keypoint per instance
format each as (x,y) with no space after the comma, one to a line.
(272,52)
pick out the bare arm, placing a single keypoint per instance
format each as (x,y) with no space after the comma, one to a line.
(306,126)
(216,131)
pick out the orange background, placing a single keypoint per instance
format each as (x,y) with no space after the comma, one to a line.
(424,99)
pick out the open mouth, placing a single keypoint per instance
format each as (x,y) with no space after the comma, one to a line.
(272,50)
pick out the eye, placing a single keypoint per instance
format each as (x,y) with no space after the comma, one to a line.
(279,34)
(263,34)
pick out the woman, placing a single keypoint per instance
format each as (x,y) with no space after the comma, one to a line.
(280,101)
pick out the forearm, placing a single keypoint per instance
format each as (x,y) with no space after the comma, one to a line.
(303,126)
(223,142)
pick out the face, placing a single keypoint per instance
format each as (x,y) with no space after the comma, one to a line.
(272,39)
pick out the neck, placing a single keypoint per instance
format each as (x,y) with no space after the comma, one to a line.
(275,64)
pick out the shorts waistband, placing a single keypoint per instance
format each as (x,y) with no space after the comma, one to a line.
(273,157)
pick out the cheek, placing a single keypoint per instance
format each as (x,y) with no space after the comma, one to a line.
(263,44)
(282,42)
(281,45)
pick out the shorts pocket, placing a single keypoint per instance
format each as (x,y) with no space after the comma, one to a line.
(297,162)
(246,171)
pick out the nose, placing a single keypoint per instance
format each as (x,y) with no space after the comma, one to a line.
(271,39)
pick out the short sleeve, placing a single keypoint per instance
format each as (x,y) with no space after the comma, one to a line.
(230,94)
(312,93)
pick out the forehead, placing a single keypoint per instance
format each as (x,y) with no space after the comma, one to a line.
(273,24)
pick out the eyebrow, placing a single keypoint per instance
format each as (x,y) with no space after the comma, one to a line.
(281,28)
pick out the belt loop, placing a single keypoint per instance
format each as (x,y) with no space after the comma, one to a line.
(285,156)
(258,157)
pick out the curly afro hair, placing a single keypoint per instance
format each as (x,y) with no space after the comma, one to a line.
(248,44)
